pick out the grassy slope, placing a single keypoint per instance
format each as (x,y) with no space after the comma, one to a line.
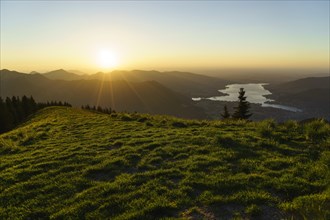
(72,163)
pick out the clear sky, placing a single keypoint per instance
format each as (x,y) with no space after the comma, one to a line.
(96,35)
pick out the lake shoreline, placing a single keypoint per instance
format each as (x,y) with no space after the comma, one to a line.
(256,93)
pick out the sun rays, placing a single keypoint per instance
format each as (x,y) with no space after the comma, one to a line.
(107,59)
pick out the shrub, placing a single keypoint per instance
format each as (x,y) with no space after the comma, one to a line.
(143,119)
(179,124)
(309,207)
(126,117)
(291,125)
(317,130)
(149,124)
(7,147)
(266,128)
(253,210)
(117,144)
(224,140)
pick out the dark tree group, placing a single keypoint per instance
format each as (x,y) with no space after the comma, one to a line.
(98,109)
(15,110)
(242,110)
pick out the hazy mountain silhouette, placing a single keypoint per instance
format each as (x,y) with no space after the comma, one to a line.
(147,97)
(301,85)
(61,74)
(161,92)
(77,72)
(189,84)
(8,76)
(34,72)
(311,94)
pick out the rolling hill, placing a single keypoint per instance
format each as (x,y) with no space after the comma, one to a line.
(66,163)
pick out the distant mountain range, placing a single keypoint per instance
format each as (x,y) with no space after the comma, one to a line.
(141,91)
(311,94)
(302,85)
(62,75)
(162,92)
(189,84)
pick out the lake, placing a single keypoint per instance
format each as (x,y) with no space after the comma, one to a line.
(255,93)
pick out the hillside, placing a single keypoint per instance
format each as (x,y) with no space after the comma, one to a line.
(70,163)
(303,84)
(309,94)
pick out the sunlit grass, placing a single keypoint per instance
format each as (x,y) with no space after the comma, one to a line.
(70,163)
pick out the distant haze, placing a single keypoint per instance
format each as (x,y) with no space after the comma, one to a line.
(165,35)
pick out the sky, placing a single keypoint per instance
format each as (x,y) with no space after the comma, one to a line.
(96,36)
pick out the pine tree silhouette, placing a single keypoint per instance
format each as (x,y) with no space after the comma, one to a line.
(225,113)
(6,118)
(242,110)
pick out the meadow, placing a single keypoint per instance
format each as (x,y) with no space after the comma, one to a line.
(67,163)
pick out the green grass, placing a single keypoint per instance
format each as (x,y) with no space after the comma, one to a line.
(67,163)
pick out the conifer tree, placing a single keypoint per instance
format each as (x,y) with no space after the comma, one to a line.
(242,110)
(6,118)
(99,109)
(225,113)
(26,106)
(34,105)
(12,110)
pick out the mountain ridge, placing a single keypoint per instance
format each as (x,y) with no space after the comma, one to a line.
(189,84)
(61,74)
(302,84)
(148,96)
(86,90)
(311,94)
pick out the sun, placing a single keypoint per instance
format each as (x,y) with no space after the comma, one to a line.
(107,59)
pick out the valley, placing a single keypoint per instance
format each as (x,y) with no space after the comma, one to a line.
(171,93)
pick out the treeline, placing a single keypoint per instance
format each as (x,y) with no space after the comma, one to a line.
(104,110)
(15,110)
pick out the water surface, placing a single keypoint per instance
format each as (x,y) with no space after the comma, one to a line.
(255,93)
